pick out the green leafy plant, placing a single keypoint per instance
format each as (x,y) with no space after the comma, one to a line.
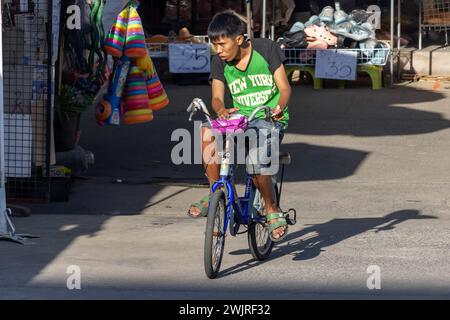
(72,100)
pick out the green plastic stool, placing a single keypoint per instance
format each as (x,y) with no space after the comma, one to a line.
(375,73)
(318,83)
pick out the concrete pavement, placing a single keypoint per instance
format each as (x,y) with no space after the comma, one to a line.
(370,181)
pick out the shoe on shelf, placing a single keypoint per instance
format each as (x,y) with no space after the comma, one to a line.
(327,14)
(297,26)
(312,20)
(340,17)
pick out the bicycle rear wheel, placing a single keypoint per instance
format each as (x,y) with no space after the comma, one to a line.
(259,241)
(214,234)
(258,237)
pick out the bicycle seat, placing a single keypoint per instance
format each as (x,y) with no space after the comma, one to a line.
(285,158)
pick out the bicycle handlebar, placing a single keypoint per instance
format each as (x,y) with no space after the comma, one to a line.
(198,105)
(266,108)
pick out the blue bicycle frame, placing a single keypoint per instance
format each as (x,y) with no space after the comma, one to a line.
(239,207)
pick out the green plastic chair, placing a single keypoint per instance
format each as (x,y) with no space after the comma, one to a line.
(375,73)
(318,83)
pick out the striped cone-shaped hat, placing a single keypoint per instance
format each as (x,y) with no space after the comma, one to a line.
(135,42)
(115,40)
(157,95)
(136,100)
(136,95)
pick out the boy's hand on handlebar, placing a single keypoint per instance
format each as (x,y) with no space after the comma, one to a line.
(224,114)
(277,114)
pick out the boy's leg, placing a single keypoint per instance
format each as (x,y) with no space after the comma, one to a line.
(258,164)
(264,184)
(209,156)
(211,165)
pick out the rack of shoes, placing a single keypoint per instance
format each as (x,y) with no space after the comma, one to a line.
(334,29)
(376,56)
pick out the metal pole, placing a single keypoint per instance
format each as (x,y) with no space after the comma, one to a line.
(2,132)
(249,19)
(399,32)
(178,14)
(263,24)
(5,229)
(420,25)
(272,22)
(392,44)
(399,23)
(51,57)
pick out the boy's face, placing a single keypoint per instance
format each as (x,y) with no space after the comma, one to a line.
(228,48)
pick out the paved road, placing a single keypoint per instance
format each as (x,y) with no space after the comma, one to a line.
(370,180)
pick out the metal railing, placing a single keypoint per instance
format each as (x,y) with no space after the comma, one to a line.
(434,15)
(161,50)
(307,57)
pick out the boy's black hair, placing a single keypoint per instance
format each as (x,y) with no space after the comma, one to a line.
(225,24)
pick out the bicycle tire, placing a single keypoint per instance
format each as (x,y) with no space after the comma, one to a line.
(257,252)
(213,250)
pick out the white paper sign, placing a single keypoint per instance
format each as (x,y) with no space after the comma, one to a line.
(336,64)
(189,58)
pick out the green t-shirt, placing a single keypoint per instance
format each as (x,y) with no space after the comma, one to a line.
(254,86)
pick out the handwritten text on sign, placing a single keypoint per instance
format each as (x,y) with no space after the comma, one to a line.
(189,58)
(336,64)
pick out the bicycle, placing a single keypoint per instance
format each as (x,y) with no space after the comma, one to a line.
(226,208)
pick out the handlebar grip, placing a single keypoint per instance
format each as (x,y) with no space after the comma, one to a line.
(253,114)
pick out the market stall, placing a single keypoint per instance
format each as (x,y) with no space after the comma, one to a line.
(158,44)
(335,44)
(27,98)
(434,15)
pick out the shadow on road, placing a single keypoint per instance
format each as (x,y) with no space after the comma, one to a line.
(309,242)
(142,152)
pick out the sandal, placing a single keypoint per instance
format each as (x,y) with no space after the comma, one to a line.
(321,34)
(200,205)
(281,222)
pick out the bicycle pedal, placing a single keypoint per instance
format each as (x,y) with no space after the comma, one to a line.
(234,230)
(289,220)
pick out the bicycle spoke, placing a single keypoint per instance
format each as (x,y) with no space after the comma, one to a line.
(217,248)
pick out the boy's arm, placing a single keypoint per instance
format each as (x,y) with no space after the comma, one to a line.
(218,104)
(285,91)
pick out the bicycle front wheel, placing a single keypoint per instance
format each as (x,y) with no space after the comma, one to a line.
(214,234)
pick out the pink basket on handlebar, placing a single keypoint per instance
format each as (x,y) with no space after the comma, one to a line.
(235,123)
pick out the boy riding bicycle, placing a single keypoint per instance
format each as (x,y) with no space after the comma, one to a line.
(255,75)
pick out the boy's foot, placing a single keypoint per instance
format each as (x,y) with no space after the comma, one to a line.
(199,209)
(277,226)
